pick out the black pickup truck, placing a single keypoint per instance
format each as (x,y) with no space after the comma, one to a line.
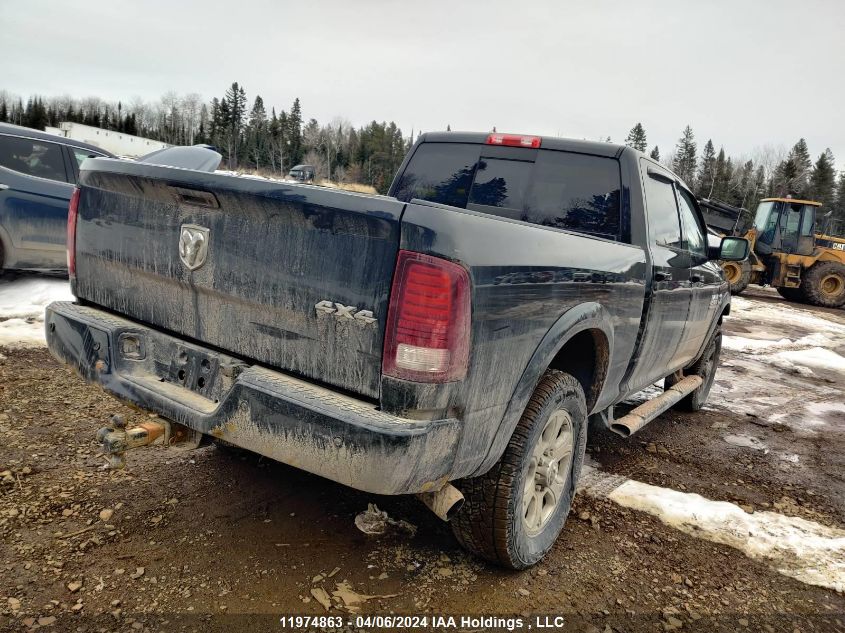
(451,339)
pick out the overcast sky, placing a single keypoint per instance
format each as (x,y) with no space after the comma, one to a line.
(744,73)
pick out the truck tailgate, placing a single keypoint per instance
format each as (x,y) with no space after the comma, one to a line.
(291,276)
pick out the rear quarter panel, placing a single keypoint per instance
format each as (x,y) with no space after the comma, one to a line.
(525,280)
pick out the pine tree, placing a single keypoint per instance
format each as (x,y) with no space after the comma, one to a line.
(655,153)
(294,133)
(256,134)
(201,136)
(685,156)
(839,205)
(823,179)
(637,138)
(744,184)
(792,176)
(707,171)
(724,177)
(214,121)
(4,111)
(235,109)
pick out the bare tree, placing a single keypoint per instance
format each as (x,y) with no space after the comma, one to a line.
(769,157)
(168,116)
(191,104)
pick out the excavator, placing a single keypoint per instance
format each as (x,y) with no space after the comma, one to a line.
(803,261)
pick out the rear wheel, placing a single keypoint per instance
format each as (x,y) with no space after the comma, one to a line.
(705,367)
(738,275)
(514,513)
(824,284)
(792,294)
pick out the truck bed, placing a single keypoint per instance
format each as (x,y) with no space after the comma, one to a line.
(274,252)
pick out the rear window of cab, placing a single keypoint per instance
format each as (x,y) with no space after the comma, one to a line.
(564,190)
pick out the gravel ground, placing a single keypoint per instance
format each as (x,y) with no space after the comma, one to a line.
(217,539)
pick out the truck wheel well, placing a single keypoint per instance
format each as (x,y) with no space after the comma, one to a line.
(585,357)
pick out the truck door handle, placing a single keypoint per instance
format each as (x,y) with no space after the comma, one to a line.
(696,279)
(3,187)
(661,276)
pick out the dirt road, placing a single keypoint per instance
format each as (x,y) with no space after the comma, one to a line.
(214,539)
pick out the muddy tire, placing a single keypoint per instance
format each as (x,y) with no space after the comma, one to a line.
(738,275)
(792,294)
(705,367)
(824,284)
(514,513)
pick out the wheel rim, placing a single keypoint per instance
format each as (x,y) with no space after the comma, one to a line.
(732,272)
(832,285)
(548,471)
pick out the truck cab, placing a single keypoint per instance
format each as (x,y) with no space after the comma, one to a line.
(785,225)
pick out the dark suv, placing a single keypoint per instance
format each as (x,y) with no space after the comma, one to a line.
(303,173)
(38,172)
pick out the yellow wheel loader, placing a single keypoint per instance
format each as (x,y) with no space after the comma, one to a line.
(791,253)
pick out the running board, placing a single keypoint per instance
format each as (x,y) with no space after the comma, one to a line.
(645,413)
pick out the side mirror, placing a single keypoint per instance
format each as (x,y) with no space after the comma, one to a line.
(734,249)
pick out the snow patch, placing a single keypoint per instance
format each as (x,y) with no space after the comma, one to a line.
(787,365)
(821,414)
(782,314)
(746,441)
(815,357)
(759,345)
(22,333)
(743,344)
(809,552)
(22,303)
(822,408)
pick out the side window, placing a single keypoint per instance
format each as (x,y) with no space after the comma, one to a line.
(575,192)
(807,221)
(32,157)
(694,240)
(789,222)
(80,155)
(664,227)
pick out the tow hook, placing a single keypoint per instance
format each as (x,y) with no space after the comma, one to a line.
(117,439)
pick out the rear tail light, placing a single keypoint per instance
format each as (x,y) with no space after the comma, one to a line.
(72,213)
(514,140)
(428,323)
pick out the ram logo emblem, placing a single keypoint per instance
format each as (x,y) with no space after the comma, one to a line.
(342,312)
(193,245)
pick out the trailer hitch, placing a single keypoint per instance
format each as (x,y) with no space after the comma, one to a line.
(116,439)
